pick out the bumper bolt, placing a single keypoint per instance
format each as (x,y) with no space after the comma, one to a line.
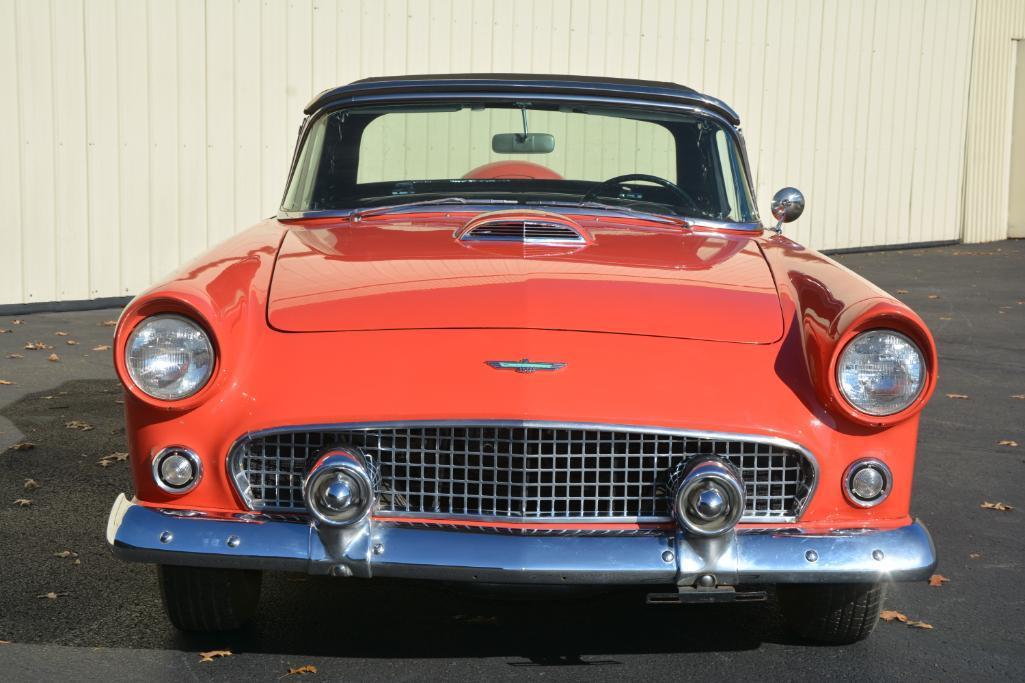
(166,536)
(877,555)
(706,581)
(667,556)
(233,541)
(811,556)
(378,549)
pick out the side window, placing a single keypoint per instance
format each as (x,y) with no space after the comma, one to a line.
(730,177)
(300,190)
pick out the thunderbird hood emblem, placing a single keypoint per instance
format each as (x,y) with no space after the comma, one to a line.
(524,365)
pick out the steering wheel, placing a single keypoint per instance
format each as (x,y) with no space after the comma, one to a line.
(676,189)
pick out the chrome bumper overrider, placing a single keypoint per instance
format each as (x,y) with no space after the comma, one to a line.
(144,534)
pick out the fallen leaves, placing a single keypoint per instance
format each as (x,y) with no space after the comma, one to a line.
(945,317)
(15,355)
(934,296)
(4,330)
(300,670)
(1020,397)
(1001,507)
(102,347)
(963,397)
(1007,442)
(6,382)
(937,580)
(213,654)
(903,291)
(71,342)
(894,615)
(51,595)
(37,346)
(17,322)
(54,358)
(108,460)
(23,502)
(31,485)
(22,446)
(61,334)
(974,556)
(79,425)
(109,323)
(69,554)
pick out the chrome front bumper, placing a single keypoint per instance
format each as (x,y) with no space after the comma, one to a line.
(142,534)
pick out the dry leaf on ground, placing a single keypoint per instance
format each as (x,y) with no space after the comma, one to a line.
(891,615)
(5,330)
(65,554)
(23,502)
(61,333)
(37,346)
(5,642)
(934,296)
(15,355)
(102,347)
(51,595)
(961,396)
(22,446)
(213,654)
(7,382)
(71,342)
(17,322)
(307,669)
(108,460)
(54,358)
(109,323)
(79,425)
(1002,507)
(1020,397)
(937,580)
(31,485)
(945,317)
(974,556)
(1007,442)
(903,291)
(920,624)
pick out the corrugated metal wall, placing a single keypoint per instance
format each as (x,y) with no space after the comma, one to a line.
(135,133)
(988,145)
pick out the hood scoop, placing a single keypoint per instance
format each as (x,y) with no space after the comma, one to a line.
(524,227)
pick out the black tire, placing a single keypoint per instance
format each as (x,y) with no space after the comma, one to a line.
(831,613)
(202,599)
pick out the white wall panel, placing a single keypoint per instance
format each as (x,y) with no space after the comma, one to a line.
(135,133)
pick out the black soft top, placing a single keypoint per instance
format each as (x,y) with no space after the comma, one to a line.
(526,84)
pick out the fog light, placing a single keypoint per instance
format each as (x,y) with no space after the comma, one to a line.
(177,469)
(338,489)
(707,496)
(867,482)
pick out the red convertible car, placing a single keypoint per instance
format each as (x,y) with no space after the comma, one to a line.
(512,329)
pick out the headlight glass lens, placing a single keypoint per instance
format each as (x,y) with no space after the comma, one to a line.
(169,357)
(881,372)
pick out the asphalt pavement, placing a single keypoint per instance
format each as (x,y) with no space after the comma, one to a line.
(68,609)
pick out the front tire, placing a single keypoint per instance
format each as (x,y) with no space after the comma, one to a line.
(831,613)
(205,599)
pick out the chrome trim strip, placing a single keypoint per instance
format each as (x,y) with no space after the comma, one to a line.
(143,534)
(237,476)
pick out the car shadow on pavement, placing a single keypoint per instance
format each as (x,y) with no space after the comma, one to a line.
(55,546)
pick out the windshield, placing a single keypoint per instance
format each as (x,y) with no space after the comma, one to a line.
(668,163)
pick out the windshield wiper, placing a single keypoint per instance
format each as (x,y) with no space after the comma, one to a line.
(377,210)
(661,217)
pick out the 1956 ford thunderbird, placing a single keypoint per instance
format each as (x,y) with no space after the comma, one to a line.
(530,330)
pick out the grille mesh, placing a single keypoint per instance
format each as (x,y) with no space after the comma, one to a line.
(520,472)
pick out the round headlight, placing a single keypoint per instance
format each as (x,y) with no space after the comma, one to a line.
(881,372)
(169,357)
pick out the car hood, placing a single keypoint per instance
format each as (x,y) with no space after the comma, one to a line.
(631,277)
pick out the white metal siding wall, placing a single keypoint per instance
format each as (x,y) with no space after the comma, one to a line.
(135,133)
(988,164)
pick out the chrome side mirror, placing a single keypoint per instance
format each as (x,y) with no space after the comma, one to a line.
(787,205)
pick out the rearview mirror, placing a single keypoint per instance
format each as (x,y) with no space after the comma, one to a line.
(518,143)
(787,205)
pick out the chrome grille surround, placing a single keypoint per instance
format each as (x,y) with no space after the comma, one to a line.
(522,471)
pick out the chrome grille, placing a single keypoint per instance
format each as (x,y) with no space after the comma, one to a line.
(523,471)
(530,232)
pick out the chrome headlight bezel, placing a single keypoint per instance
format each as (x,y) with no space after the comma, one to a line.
(918,366)
(199,351)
